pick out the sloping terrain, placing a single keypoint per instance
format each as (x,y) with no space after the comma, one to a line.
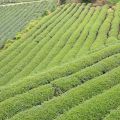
(65,66)
(13,18)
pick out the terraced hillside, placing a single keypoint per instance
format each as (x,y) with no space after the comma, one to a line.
(64,67)
(13,18)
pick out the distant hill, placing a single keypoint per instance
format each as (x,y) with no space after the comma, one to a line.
(19,1)
(14,17)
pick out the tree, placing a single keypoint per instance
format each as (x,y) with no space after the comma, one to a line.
(61,2)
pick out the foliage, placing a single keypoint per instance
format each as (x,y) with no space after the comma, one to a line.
(64,66)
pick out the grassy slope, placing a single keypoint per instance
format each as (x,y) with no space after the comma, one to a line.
(64,67)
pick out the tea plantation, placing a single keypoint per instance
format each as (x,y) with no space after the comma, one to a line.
(63,66)
(14,17)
